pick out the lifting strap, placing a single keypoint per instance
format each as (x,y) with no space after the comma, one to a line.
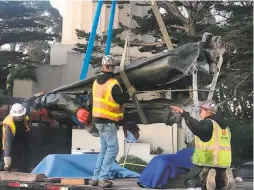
(161,24)
(219,63)
(128,85)
(123,74)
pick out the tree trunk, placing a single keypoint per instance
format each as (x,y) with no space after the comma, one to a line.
(190,28)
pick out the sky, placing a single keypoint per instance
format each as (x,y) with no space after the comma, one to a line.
(59,5)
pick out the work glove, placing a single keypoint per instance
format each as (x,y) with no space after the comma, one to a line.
(131,91)
(83,116)
(7,163)
(173,118)
(132,127)
(43,112)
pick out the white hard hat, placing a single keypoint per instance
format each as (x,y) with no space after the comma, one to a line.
(107,60)
(17,110)
(209,105)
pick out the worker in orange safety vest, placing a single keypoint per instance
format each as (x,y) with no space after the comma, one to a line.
(15,131)
(108,99)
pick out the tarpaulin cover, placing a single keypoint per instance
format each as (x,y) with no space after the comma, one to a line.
(77,166)
(164,69)
(165,167)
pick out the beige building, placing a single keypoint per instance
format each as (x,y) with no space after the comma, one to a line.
(65,67)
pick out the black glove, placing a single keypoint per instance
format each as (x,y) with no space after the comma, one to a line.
(173,118)
(132,127)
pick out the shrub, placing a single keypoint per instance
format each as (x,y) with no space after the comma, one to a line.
(241,141)
(158,150)
(134,160)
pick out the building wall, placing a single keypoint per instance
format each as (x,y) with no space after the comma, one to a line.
(80,15)
(151,136)
(49,77)
(23,88)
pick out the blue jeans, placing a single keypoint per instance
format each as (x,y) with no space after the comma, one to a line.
(108,152)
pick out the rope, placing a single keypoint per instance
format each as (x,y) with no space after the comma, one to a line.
(129,33)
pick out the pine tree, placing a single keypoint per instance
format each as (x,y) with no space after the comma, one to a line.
(22,23)
(181,29)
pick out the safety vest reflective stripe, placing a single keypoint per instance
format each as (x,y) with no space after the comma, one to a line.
(107,112)
(112,104)
(103,104)
(214,146)
(108,93)
(9,121)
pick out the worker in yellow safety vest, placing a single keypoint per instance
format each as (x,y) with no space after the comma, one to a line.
(108,108)
(212,154)
(15,131)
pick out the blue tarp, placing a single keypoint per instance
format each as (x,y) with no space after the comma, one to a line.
(77,166)
(163,167)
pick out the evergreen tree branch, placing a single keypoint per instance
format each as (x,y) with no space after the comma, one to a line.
(199,11)
(25,36)
(172,7)
(235,92)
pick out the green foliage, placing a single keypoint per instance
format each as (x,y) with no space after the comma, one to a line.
(25,72)
(238,60)
(134,160)
(99,44)
(26,26)
(242,140)
(157,150)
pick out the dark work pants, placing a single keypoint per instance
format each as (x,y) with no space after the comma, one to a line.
(194,172)
(20,158)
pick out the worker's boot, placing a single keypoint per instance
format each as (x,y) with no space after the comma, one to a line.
(210,180)
(94,182)
(105,184)
(228,179)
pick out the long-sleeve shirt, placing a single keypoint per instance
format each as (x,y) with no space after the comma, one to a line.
(10,140)
(20,137)
(203,129)
(117,94)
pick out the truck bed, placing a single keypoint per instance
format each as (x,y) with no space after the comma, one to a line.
(118,184)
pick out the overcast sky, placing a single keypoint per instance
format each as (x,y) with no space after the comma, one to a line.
(59,5)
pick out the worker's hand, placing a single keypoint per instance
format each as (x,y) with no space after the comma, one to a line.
(170,119)
(173,118)
(177,109)
(83,116)
(7,163)
(131,91)
(133,128)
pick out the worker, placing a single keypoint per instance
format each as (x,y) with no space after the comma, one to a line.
(108,99)
(15,133)
(212,153)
